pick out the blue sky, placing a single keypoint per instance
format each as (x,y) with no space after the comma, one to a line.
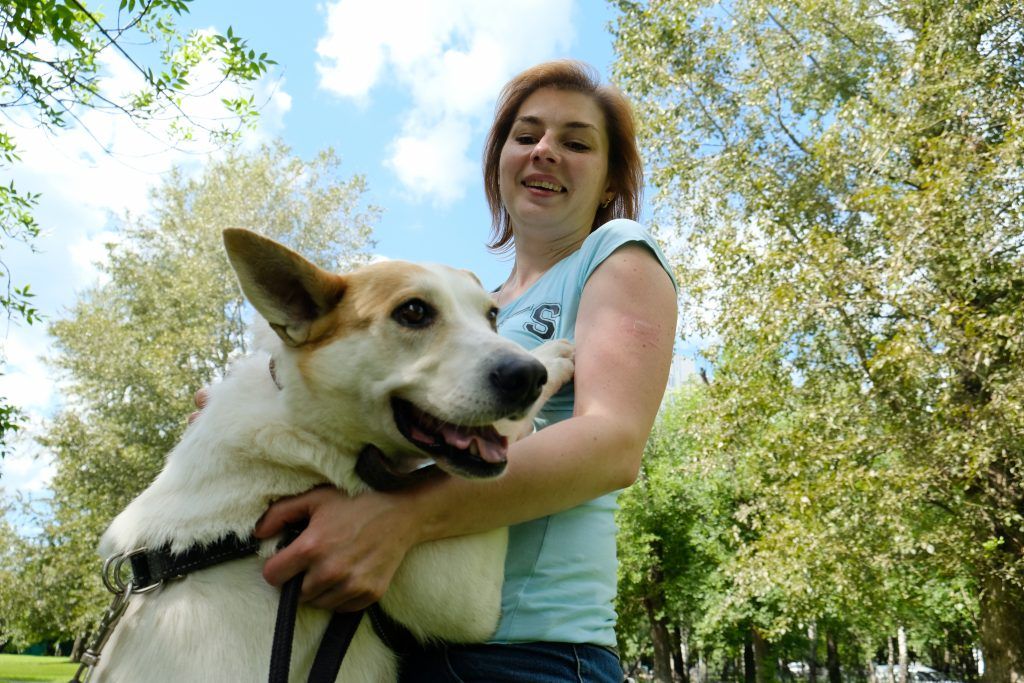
(403,90)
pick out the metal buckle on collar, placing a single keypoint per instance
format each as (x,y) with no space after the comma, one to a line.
(113,571)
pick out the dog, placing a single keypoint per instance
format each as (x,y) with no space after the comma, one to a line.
(402,356)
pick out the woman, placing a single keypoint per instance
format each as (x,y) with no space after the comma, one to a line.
(560,163)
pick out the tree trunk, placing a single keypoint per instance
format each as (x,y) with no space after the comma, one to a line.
(890,672)
(901,638)
(749,663)
(1001,630)
(730,671)
(660,638)
(835,674)
(812,653)
(76,649)
(872,671)
(681,653)
(762,659)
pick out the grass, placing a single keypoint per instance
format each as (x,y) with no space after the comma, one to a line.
(33,669)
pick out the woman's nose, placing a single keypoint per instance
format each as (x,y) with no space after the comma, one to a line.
(544,150)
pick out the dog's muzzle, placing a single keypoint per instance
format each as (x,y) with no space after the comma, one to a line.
(468,451)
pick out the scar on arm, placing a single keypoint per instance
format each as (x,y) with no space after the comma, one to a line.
(647,333)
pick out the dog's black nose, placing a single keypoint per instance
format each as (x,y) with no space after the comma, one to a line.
(518,380)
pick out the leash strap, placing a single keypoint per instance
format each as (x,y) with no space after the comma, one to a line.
(284,629)
(393,634)
(333,644)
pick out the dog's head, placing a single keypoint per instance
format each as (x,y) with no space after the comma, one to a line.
(400,355)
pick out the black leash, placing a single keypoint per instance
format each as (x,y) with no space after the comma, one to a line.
(284,629)
(333,644)
(373,470)
(152,568)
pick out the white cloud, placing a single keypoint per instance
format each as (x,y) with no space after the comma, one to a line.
(87,253)
(26,381)
(452,57)
(433,161)
(26,472)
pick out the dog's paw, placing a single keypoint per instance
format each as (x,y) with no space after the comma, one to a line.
(557,357)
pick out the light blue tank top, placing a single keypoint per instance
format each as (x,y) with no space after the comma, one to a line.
(560,572)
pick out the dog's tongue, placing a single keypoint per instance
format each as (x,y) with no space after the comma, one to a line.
(490,446)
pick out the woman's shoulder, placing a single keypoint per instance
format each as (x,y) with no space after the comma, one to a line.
(619,229)
(608,238)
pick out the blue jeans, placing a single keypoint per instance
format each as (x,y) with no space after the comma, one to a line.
(513,663)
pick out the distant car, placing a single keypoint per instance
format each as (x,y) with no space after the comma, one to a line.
(797,668)
(915,673)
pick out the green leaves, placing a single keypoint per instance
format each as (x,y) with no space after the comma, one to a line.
(844,179)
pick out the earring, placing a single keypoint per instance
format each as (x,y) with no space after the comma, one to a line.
(605,203)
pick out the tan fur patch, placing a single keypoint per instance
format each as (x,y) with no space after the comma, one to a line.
(371,294)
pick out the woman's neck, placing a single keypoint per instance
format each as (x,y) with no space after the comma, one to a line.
(532,260)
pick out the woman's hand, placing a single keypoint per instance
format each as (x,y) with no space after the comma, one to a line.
(350,549)
(200,398)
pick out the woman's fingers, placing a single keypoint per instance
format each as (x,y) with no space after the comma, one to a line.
(200,398)
(349,550)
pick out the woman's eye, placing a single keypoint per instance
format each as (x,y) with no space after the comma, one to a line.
(578,146)
(525,139)
(414,313)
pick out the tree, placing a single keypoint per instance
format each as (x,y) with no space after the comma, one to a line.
(169,320)
(847,176)
(663,564)
(680,528)
(51,54)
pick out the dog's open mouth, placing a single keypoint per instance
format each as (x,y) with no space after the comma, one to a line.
(478,451)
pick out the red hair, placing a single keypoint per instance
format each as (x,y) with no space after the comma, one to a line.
(625,168)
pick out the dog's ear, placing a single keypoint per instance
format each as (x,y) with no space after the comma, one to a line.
(472,276)
(286,289)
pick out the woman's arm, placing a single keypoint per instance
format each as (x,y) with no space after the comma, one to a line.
(624,335)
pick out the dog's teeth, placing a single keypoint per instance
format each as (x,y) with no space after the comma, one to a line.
(474,449)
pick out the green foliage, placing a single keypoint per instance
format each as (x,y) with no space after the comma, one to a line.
(675,524)
(167,320)
(846,177)
(51,67)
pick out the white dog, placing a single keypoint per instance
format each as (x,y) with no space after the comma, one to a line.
(401,356)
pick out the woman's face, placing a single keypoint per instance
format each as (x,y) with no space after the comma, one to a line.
(553,169)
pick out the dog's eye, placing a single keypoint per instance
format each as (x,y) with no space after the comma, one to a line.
(492,317)
(414,313)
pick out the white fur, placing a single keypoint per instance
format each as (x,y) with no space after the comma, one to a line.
(254,444)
